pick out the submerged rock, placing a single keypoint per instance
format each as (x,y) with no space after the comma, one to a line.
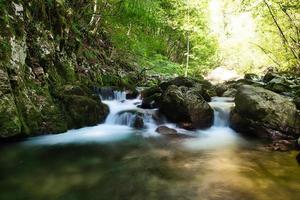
(166,131)
(264,113)
(181,105)
(282,145)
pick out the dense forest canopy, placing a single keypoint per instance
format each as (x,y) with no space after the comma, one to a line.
(245,35)
(167,36)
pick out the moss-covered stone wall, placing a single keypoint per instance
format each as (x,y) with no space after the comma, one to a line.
(49,63)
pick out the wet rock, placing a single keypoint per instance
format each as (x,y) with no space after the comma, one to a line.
(269,76)
(264,113)
(132,94)
(151,91)
(200,92)
(279,85)
(282,145)
(179,81)
(166,131)
(181,105)
(220,89)
(230,92)
(150,102)
(82,107)
(106,92)
(138,122)
(252,77)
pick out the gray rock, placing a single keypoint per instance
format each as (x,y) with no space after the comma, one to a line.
(169,132)
(230,92)
(181,105)
(264,113)
(138,122)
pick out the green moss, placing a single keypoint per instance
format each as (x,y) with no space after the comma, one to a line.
(10,124)
(84,110)
(56,41)
(5,50)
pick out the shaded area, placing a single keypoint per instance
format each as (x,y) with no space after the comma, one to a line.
(141,168)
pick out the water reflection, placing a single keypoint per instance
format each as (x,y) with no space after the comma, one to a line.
(96,134)
(140,168)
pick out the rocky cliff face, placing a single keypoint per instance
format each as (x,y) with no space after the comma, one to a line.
(49,64)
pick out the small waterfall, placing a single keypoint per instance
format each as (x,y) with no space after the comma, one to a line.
(220,135)
(222,107)
(124,118)
(124,111)
(108,94)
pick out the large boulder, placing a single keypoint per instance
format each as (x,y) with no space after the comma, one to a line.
(181,105)
(152,96)
(82,107)
(179,81)
(264,113)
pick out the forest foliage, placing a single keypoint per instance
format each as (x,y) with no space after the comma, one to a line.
(245,35)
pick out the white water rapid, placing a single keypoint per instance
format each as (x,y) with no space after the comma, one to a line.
(117,126)
(121,121)
(220,135)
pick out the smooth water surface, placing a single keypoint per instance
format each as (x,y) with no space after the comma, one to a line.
(115,161)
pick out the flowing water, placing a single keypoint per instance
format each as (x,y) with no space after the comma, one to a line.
(113,160)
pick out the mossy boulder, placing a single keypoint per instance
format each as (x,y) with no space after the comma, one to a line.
(264,113)
(151,102)
(81,107)
(180,105)
(84,111)
(151,91)
(186,82)
(153,95)
(201,92)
